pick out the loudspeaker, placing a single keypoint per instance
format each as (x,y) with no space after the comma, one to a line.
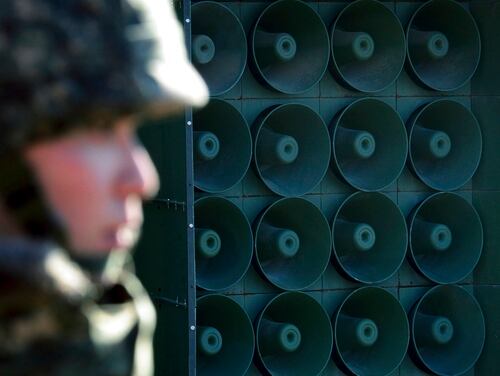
(294,335)
(220,56)
(445,144)
(448,331)
(369,237)
(444,45)
(291,149)
(446,238)
(292,243)
(371,332)
(368,46)
(290,46)
(225,338)
(222,146)
(223,242)
(370,144)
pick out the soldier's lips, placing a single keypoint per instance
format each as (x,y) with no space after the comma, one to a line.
(121,238)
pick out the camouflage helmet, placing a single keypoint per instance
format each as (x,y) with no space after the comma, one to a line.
(68,63)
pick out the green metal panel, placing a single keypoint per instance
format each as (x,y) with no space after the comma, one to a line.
(162,260)
(489,298)
(165,258)
(485,100)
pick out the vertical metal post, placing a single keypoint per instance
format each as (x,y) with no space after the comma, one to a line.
(191,288)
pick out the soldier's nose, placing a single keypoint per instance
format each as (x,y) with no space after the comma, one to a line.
(139,175)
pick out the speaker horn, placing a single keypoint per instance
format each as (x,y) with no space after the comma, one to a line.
(444,45)
(222,146)
(223,242)
(220,56)
(371,332)
(448,331)
(369,237)
(446,238)
(445,144)
(370,144)
(293,243)
(294,335)
(290,46)
(225,338)
(291,149)
(368,46)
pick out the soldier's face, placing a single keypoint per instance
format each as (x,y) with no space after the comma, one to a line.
(94,181)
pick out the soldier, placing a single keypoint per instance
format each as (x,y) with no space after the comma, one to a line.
(75,78)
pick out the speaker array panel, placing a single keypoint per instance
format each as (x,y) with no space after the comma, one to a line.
(316,213)
(365,43)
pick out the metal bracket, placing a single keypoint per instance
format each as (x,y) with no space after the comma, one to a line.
(174,302)
(170,204)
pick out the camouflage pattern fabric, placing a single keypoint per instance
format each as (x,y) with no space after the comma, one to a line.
(58,70)
(54,320)
(84,63)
